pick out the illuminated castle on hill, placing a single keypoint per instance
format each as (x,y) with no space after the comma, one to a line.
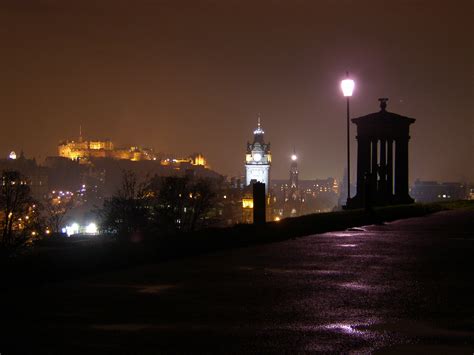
(85,150)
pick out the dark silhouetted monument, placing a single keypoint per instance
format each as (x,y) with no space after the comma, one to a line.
(382,159)
(259,203)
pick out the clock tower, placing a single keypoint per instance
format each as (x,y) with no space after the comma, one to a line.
(258,159)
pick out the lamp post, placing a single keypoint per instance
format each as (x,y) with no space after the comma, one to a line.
(347,86)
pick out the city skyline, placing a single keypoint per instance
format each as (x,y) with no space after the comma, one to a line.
(157,75)
(236,176)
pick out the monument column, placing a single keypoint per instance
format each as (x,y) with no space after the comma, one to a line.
(374,170)
(401,169)
(389,188)
(363,162)
(382,185)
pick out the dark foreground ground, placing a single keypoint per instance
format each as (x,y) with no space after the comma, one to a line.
(402,287)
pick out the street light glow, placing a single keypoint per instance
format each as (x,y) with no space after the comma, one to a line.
(347,86)
(91,228)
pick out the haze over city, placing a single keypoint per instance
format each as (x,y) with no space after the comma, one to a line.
(185,76)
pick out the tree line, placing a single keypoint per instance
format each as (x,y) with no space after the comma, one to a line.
(23,219)
(158,206)
(154,207)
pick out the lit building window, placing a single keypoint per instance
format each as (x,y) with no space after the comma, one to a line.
(247,202)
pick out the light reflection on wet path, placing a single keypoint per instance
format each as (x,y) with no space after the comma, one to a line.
(400,287)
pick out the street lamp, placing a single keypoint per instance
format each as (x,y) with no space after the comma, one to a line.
(347,86)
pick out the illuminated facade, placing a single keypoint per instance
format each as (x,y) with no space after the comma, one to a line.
(258,159)
(195,159)
(247,208)
(84,151)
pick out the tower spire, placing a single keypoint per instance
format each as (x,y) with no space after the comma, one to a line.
(294,157)
(80,133)
(294,171)
(259,129)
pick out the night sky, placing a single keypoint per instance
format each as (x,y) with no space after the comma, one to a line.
(191,76)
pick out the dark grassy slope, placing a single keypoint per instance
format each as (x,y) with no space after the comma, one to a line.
(71,259)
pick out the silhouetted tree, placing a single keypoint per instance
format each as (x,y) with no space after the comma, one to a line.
(125,213)
(168,202)
(19,219)
(203,198)
(179,203)
(55,210)
(160,206)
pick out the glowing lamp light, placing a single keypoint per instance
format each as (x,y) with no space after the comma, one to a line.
(12,155)
(347,86)
(71,230)
(91,228)
(294,157)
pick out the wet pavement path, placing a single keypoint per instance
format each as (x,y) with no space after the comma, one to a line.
(402,287)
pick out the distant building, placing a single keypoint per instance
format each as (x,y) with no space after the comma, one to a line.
(84,151)
(99,165)
(195,159)
(247,205)
(294,172)
(293,196)
(36,176)
(433,191)
(64,173)
(258,159)
(312,196)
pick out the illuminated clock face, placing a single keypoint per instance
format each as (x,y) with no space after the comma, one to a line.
(257,157)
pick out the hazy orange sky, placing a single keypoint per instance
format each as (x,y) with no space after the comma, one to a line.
(189,76)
